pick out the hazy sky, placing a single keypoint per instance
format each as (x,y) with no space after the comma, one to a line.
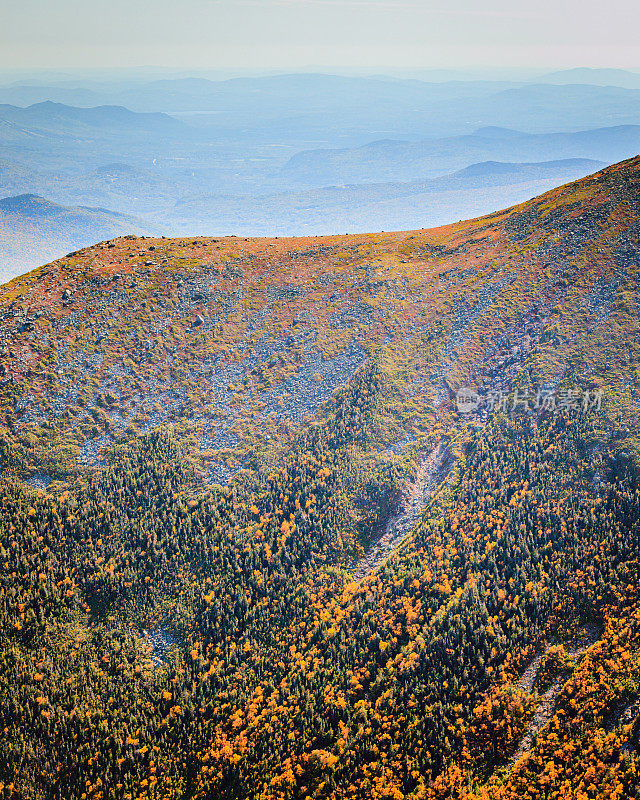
(288,34)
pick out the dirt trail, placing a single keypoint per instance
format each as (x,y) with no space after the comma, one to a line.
(403,520)
(547,706)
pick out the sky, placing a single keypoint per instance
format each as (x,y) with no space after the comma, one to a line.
(296,34)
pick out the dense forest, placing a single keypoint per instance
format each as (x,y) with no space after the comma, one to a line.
(287,678)
(165,635)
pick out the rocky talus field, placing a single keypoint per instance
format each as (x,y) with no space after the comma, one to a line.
(327,517)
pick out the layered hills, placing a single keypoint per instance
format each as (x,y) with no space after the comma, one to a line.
(470,192)
(347,516)
(33,228)
(390,159)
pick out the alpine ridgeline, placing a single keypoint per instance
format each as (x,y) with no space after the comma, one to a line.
(338,517)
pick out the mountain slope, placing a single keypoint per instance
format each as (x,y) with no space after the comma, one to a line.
(330,517)
(228,281)
(34,230)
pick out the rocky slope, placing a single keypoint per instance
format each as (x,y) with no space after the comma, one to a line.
(239,340)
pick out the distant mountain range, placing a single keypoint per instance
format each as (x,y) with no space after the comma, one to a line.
(307,90)
(145,163)
(594,76)
(272,93)
(274,134)
(34,230)
(352,110)
(389,160)
(99,121)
